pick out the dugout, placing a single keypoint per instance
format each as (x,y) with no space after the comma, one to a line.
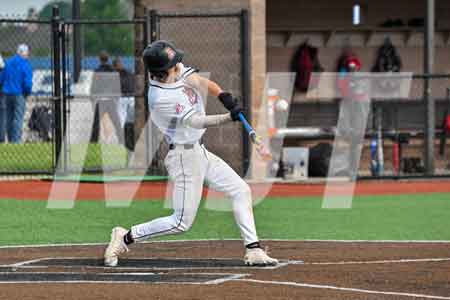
(328,25)
(277,28)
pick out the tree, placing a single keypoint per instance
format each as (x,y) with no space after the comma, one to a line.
(65,9)
(117,39)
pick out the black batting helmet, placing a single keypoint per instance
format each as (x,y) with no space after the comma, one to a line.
(161,55)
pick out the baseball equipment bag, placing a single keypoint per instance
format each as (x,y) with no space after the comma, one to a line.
(41,121)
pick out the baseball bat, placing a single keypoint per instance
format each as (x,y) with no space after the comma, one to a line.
(251,132)
(265,154)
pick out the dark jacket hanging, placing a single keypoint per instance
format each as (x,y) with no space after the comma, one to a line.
(304,62)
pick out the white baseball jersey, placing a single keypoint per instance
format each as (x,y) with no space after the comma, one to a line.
(171,103)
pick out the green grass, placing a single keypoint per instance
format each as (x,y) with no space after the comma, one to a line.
(406,217)
(39,156)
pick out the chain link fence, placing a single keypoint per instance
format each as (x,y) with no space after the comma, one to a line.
(33,151)
(213,45)
(85,119)
(100,95)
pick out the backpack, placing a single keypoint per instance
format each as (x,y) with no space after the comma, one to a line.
(304,62)
(41,121)
(347,60)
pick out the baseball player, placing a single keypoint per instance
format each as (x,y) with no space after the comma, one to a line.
(177,108)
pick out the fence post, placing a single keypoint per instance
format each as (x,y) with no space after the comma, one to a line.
(246,93)
(154,20)
(145,40)
(76,41)
(64,98)
(56,30)
(428,98)
(156,165)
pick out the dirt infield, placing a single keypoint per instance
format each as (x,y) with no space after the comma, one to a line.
(213,270)
(40,190)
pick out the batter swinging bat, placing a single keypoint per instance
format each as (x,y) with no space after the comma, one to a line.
(256,139)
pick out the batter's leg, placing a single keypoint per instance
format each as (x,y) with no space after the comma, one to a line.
(221,177)
(187,171)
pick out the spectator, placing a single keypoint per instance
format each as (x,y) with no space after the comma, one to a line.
(126,78)
(104,66)
(16,80)
(108,105)
(2,65)
(126,102)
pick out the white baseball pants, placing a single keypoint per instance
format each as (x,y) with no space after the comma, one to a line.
(188,169)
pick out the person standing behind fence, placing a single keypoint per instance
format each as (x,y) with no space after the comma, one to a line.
(108,106)
(126,102)
(2,66)
(16,81)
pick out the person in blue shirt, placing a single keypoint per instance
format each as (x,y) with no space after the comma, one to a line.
(16,81)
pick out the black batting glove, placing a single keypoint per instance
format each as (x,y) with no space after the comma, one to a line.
(234,113)
(227,100)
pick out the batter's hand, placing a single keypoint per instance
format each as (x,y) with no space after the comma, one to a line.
(234,112)
(227,100)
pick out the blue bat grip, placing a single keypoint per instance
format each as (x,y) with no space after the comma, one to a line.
(247,126)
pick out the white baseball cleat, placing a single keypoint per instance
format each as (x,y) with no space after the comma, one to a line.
(258,257)
(116,247)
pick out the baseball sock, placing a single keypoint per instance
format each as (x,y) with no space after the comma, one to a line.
(128,239)
(253,245)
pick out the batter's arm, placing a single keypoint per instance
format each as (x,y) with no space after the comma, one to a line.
(199,122)
(203,84)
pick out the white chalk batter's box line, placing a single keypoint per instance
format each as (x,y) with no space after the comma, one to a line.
(340,289)
(237,277)
(27,264)
(226,277)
